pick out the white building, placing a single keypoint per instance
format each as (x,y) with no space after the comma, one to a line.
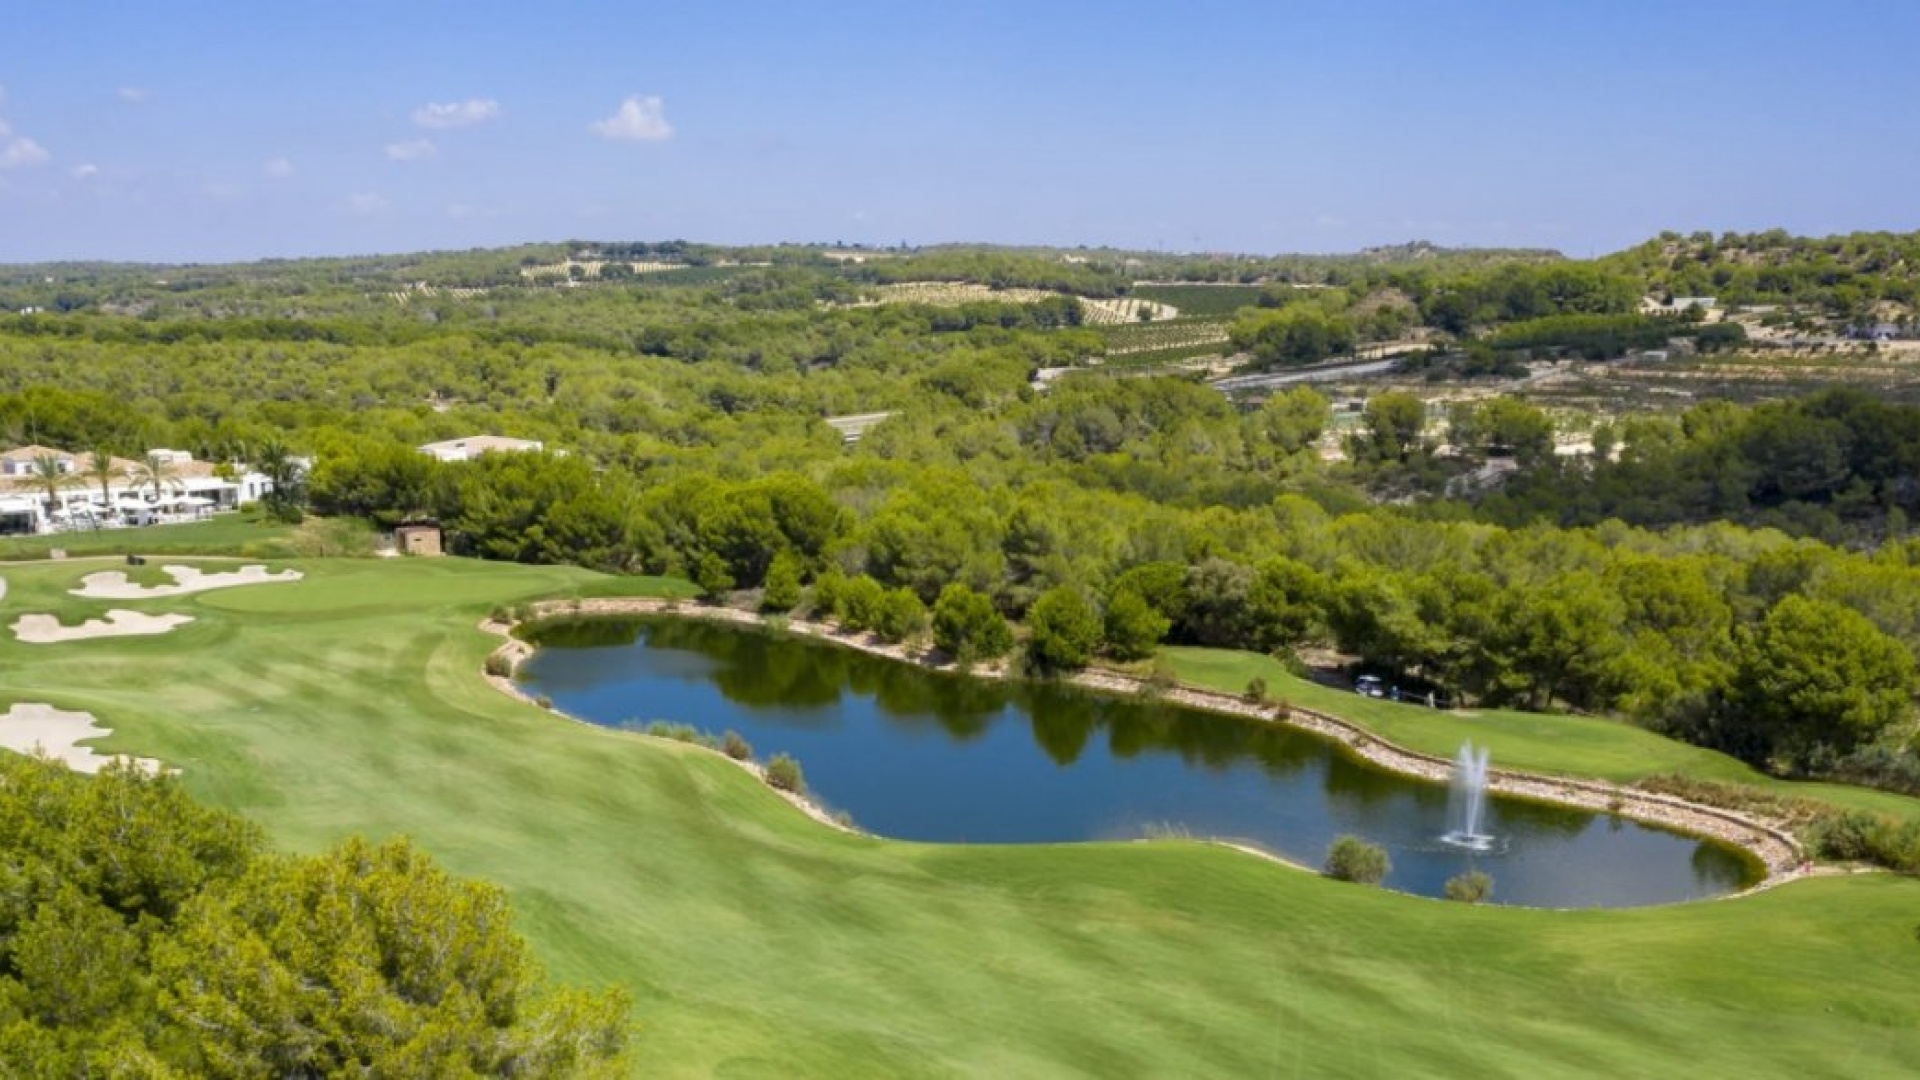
(185,489)
(474,445)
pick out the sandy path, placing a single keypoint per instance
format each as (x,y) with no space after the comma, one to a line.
(1771,842)
(46,629)
(29,728)
(113,584)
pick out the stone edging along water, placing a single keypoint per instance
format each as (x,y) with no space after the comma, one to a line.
(1773,844)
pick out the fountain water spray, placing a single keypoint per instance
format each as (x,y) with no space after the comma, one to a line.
(1467,800)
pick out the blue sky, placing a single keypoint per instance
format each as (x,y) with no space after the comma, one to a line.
(215,130)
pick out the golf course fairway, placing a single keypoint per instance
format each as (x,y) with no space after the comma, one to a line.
(757,942)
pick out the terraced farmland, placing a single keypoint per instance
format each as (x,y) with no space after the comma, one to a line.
(1201,301)
(1125,310)
(1187,336)
(956,293)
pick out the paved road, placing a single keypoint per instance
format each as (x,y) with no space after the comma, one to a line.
(1319,373)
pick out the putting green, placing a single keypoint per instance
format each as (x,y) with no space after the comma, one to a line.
(758,943)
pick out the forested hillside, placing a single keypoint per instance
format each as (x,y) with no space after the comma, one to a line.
(1656,575)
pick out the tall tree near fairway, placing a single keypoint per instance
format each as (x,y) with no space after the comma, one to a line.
(1133,627)
(1816,679)
(158,473)
(103,470)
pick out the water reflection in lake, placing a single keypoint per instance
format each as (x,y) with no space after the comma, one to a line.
(923,756)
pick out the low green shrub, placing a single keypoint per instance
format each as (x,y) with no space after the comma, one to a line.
(1353,859)
(784,773)
(1472,887)
(736,747)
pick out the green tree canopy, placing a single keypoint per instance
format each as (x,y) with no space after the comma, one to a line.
(147,935)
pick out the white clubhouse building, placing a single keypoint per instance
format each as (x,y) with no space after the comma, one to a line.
(169,485)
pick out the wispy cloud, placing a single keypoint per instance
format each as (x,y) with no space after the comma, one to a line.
(279,168)
(639,119)
(367,203)
(17,151)
(86,172)
(456,114)
(417,150)
(21,152)
(134,95)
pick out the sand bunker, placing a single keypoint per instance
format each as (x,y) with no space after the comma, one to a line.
(113,584)
(46,629)
(29,728)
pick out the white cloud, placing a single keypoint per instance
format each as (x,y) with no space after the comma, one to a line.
(86,172)
(417,150)
(457,114)
(22,152)
(366,203)
(279,168)
(134,95)
(639,119)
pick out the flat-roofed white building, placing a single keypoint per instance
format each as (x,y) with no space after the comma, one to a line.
(474,445)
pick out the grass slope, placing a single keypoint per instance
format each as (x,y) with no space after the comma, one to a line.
(1532,742)
(760,944)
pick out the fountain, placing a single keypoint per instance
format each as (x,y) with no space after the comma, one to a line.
(1467,800)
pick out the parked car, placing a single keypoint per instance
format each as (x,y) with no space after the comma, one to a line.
(1369,686)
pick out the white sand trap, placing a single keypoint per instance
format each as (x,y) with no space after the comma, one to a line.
(28,728)
(46,629)
(113,584)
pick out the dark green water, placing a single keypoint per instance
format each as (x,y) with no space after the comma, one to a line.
(922,756)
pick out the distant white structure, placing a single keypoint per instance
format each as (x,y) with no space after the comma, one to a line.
(854,428)
(474,445)
(1653,306)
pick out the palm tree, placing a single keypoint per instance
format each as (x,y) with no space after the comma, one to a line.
(157,473)
(49,470)
(105,470)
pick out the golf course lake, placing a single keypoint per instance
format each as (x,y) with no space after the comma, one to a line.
(918,755)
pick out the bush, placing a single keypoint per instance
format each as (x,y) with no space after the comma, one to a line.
(1160,680)
(862,602)
(1133,627)
(736,747)
(1256,690)
(500,665)
(782,592)
(901,617)
(1472,887)
(784,773)
(966,626)
(543,701)
(1065,630)
(1353,859)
